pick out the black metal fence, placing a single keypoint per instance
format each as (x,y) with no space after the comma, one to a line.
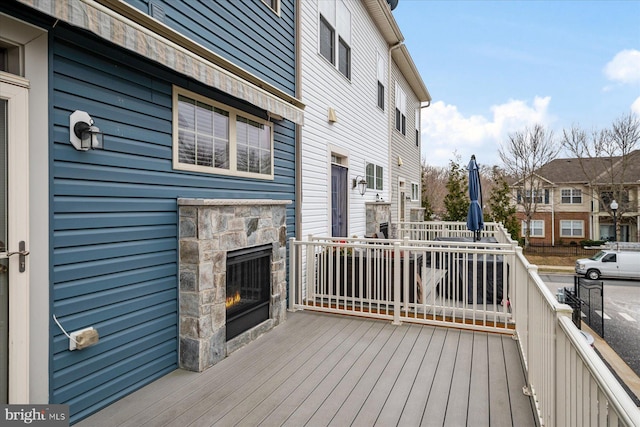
(587,301)
(572,250)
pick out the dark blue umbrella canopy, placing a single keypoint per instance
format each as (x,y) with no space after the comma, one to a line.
(475,220)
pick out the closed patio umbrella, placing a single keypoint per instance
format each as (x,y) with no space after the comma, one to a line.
(475,220)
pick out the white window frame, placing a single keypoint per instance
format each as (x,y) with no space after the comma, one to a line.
(271,3)
(572,196)
(415,191)
(401,111)
(338,17)
(381,87)
(375,180)
(417,125)
(534,222)
(571,227)
(232,134)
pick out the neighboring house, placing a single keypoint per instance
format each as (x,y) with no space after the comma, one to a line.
(569,210)
(348,87)
(195,100)
(408,95)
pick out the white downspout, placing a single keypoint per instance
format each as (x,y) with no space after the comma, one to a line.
(553,217)
(392,113)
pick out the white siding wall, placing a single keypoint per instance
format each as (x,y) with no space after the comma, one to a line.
(361,131)
(404,146)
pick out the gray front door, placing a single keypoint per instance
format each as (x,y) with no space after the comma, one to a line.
(338,201)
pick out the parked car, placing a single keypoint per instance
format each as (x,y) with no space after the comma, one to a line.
(610,263)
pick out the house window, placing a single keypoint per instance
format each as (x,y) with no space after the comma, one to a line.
(537,228)
(417,127)
(571,228)
(401,110)
(327,39)
(570,195)
(273,5)
(374,176)
(211,137)
(381,72)
(335,30)
(344,58)
(534,196)
(415,192)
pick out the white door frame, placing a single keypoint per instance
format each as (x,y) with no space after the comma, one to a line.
(15,90)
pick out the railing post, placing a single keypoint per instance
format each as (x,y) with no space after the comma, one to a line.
(396,283)
(293,283)
(310,270)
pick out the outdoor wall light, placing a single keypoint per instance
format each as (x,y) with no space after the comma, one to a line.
(360,183)
(82,133)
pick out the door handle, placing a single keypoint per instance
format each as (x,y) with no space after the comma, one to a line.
(22,252)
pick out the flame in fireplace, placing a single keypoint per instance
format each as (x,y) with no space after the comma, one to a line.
(233,300)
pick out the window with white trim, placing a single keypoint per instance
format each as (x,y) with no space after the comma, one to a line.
(374,176)
(537,228)
(382,75)
(215,138)
(417,122)
(335,30)
(571,195)
(571,228)
(401,110)
(415,191)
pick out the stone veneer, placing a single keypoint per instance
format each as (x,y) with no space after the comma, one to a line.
(209,228)
(377,212)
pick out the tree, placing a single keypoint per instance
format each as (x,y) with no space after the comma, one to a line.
(525,152)
(500,204)
(434,189)
(607,158)
(456,202)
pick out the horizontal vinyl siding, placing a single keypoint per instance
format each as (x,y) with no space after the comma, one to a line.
(114,220)
(404,146)
(245,32)
(361,130)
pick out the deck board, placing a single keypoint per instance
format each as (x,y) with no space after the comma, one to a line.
(318,369)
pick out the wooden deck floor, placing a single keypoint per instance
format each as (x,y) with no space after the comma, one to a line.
(319,370)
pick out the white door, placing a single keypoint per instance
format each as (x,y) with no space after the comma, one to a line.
(14,240)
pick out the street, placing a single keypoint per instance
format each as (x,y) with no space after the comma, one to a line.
(621,314)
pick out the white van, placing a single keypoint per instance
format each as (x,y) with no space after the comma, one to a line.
(609,263)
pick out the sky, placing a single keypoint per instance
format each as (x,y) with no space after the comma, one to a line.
(497,67)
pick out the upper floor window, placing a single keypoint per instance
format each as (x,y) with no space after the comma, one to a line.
(211,137)
(571,228)
(374,176)
(381,73)
(537,228)
(417,127)
(401,110)
(571,195)
(273,5)
(540,196)
(415,191)
(335,30)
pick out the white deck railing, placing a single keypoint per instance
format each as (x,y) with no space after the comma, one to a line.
(475,285)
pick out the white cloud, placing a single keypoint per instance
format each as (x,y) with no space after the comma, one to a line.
(635,107)
(624,67)
(446,131)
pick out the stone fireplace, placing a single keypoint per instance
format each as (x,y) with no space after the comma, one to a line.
(209,230)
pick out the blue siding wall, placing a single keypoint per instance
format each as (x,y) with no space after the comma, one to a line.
(114,219)
(245,32)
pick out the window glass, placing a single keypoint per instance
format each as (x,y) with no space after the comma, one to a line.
(378,177)
(537,228)
(344,58)
(374,175)
(326,40)
(203,139)
(571,228)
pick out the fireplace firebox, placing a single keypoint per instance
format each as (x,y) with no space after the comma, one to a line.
(248,285)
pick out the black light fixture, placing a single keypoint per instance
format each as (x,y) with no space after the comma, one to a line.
(614,209)
(361,184)
(82,133)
